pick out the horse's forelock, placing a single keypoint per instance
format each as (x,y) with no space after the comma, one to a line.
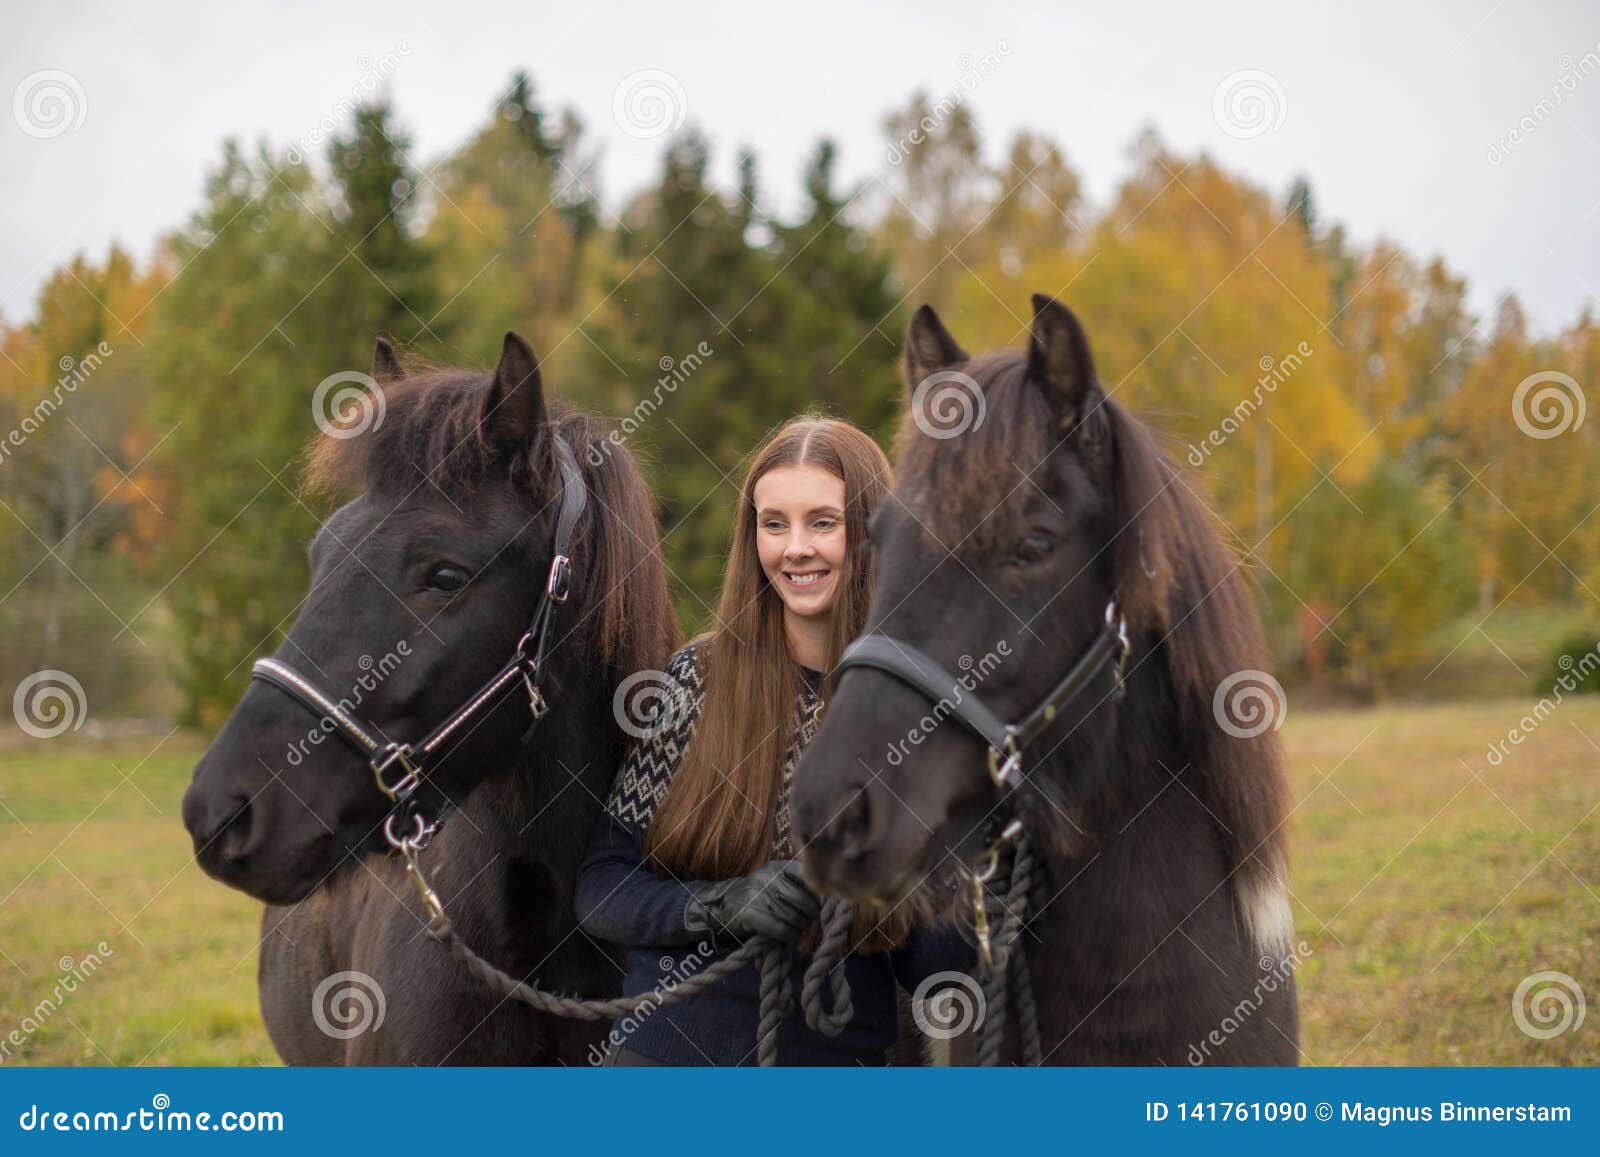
(1007,432)
(430,433)
(425,427)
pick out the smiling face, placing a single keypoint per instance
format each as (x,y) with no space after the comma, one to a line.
(800,536)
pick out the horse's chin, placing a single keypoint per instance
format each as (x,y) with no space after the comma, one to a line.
(881,879)
(292,878)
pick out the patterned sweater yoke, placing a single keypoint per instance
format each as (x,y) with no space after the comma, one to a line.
(647,772)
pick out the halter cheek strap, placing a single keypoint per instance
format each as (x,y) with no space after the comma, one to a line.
(399,768)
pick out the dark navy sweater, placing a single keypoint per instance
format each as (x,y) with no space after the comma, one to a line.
(622,900)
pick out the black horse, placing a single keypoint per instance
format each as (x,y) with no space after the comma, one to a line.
(420,590)
(1163,932)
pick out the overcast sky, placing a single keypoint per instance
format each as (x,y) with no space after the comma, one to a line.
(1402,115)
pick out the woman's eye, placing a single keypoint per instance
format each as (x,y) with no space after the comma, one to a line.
(826,523)
(1035,547)
(447,579)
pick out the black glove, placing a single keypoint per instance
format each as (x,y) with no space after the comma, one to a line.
(772,901)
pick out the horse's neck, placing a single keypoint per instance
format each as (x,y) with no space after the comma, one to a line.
(1141,849)
(519,839)
(541,810)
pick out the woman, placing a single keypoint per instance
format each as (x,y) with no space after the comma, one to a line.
(693,854)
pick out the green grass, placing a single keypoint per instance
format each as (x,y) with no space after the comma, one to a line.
(1429,882)
(1505,653)
(1424,893)
(92,848)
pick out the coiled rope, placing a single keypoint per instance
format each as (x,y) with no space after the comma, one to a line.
(773,960)
(1005,976)
(1003,972)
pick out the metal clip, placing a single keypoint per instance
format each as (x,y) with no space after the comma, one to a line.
(991,855)
(988,869)
(980,924)
(536,700)
(430,899)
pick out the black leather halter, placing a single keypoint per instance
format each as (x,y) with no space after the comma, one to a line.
(1006,740)
(399,768)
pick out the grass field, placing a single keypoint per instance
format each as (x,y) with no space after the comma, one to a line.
(1428,884)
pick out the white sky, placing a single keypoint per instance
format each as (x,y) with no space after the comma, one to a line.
(1391,109)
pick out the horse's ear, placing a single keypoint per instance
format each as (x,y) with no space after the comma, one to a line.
(386,365)
(514,407)
(1059,359)
(929,347)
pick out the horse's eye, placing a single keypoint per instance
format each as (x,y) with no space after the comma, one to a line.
(447,579)
(1035,548)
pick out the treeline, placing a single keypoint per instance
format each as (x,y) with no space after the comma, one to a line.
(1363,433)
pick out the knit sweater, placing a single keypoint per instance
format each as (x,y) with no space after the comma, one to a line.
(622,900)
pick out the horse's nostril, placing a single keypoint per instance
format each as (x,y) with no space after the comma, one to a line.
(225,843)
(852,826)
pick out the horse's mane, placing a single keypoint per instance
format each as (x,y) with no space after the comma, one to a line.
(1179,585)
(430,434)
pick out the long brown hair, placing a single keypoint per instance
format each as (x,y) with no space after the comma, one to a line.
(719,814)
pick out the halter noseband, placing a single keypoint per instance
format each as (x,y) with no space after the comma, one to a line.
(1006,740)
(399,768)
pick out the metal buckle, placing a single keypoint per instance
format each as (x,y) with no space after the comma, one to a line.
(558,585)
(1006,775)
(403,787)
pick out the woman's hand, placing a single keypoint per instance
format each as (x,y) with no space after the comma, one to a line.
(772,901)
